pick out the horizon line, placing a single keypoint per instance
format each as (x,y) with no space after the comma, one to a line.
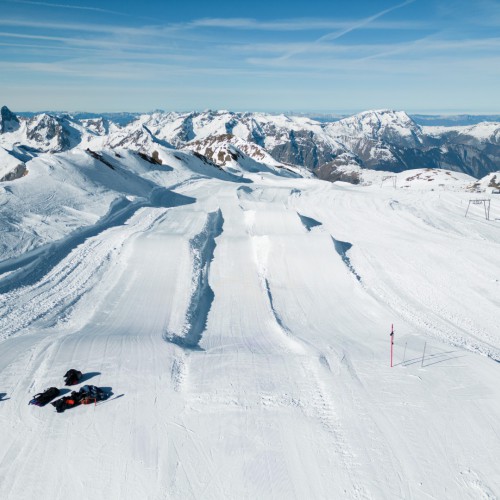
(339,112)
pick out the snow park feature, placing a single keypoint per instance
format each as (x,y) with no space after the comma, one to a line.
(241,315)
(485,202)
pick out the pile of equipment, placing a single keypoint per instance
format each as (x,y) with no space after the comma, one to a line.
(85,395)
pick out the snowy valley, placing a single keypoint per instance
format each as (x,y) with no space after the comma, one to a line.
(238,306)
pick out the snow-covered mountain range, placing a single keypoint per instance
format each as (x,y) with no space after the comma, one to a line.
(379,140)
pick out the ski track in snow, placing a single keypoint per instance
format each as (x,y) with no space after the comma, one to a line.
(440,322)
(53,297)
(316,402)
(261,246)
(31,267)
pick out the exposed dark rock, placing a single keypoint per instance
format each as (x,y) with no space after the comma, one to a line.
(48,132)
(16,173)
(99,157)
(9,122)
(302,148)
(330,172)
(154,159)
(205,160)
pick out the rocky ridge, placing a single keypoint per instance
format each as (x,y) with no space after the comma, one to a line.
(382,140)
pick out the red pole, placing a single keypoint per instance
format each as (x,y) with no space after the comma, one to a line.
(392,341)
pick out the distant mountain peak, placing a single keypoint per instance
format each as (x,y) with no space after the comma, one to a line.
(9,122)
(378,125)
(387,116)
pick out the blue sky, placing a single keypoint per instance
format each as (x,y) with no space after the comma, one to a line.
(428,56)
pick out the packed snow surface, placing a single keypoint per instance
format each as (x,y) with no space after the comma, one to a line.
(242,323)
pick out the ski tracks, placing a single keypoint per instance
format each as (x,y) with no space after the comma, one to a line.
(443,325)
(313,397)
(262,246)
(51,300)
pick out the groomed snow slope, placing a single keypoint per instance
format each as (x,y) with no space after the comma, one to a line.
(243,328)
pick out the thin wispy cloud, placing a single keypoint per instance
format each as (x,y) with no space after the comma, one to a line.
(87,8)
(79,42)
(67,6)
(307,24)
(229,23)
(169,71)
(35,37)
(428,43)
(353,27)
(433,45)
(145,72)
(83,27)
(152,34)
